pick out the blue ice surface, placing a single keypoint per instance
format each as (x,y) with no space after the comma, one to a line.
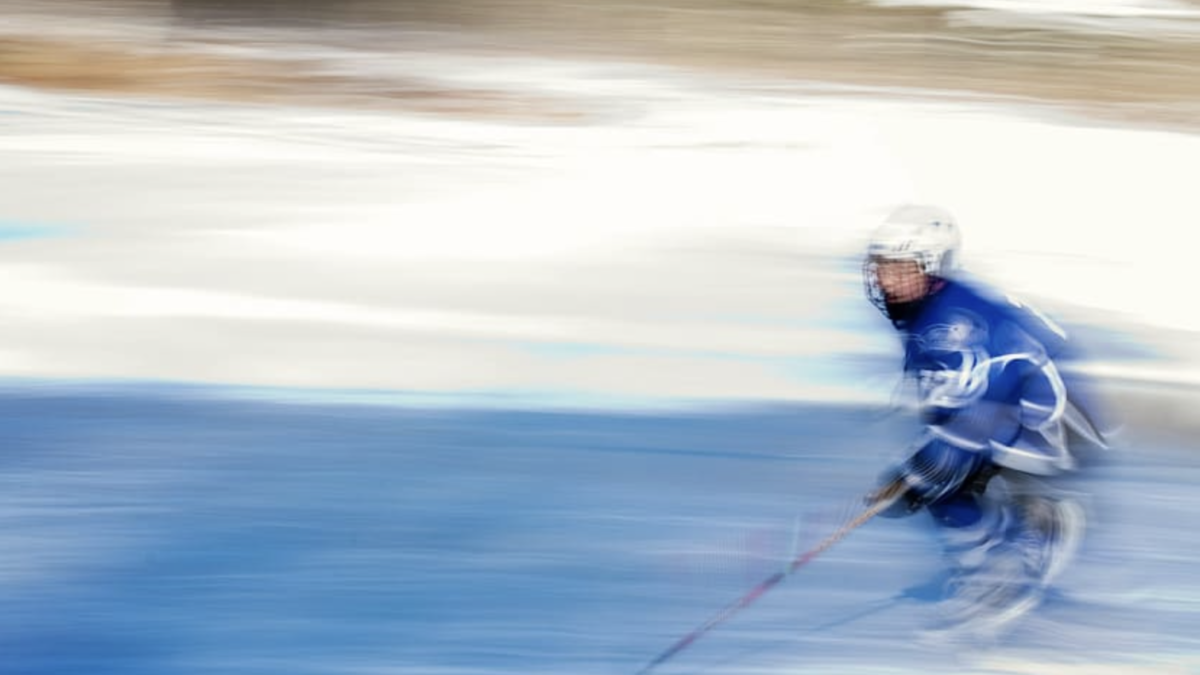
(159,530)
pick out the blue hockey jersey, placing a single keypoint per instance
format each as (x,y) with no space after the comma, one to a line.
(989,384)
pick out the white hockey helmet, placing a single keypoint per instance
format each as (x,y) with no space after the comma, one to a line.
(925,234)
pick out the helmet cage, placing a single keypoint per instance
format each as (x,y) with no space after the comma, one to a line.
(873,287)
(923,234)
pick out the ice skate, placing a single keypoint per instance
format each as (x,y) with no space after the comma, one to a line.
(1053,532)
(981,602)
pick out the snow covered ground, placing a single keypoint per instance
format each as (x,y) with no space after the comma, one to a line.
(688,238)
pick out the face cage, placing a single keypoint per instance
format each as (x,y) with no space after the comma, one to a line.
(871,285)
(874,291)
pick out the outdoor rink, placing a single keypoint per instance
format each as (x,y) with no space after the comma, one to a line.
(535,367)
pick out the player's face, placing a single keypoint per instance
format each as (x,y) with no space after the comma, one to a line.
(901,280)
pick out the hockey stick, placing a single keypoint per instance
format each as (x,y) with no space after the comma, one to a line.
(882,499)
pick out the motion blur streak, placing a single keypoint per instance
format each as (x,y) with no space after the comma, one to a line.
(518,337)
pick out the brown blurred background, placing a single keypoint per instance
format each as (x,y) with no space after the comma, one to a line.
(1108,71)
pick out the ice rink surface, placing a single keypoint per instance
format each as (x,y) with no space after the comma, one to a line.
(179,530)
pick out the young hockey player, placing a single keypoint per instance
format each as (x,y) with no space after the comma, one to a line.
(997,413)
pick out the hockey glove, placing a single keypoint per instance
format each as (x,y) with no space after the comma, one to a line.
(934,472)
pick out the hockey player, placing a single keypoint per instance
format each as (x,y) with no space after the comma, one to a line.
(997,413)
